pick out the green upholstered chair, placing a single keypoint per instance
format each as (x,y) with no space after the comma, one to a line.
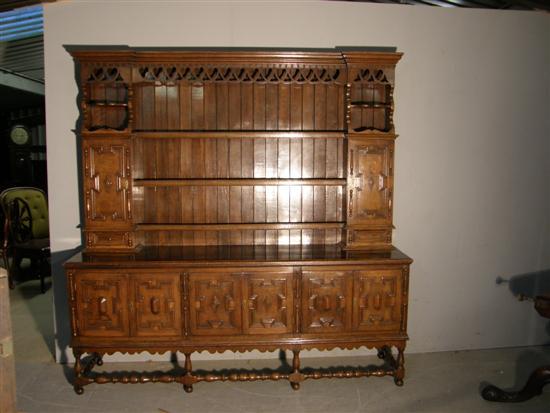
(26,230)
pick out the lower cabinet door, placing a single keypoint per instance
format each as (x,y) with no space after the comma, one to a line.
(157,299)
(378,300)
(268,302)
(326,301)
(215,303)
(102,304)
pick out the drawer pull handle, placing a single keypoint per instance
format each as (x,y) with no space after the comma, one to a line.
(155,305)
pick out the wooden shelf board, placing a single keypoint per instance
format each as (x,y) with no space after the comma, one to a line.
(238,182)
(233,227)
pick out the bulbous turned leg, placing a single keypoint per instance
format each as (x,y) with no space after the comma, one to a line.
(99,360)
(538,379)
(400,366)
(296,377)
(77,386)
(383,352)
(188,378)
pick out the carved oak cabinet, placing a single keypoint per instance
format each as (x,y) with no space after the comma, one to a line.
(236,200)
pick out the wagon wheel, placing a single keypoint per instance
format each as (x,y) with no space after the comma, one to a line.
(22,220)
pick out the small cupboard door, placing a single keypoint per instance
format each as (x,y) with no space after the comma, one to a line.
(215,303)
(326,301)
(157,300)
(268,302)
(378,298)
(370,181)
(102,304)
(107,183)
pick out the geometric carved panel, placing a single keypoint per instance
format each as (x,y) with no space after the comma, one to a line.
(378,300)
(158,305)
(370,183)
(269,303)
(101,303)
(215,304)
(107,184)
(326,305)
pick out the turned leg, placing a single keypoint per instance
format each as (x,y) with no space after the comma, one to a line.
(400,366)
(383,352)
(98,359)
(188,378)
(538,379)
(296,377)
(77,386)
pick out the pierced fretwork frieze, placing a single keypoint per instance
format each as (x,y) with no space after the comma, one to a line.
(105,74)
(373,75)
(271,74)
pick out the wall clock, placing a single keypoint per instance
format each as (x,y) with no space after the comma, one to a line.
(20,135)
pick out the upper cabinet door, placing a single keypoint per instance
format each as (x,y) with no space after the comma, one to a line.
(326,301)
(370,181)
(268,302)
(107,183)
(378,300)
(158,304)
(215,303)
(101,304)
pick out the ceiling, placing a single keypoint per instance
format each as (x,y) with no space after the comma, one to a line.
(543,5)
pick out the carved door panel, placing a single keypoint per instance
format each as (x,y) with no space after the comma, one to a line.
(215,303)
(107,184)
(326,301)
(370,181)
(378,299)
(268,303)
(157,305)
(101,304)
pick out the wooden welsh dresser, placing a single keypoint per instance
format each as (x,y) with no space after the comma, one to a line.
(236,200)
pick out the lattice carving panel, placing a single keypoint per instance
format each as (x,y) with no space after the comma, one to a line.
(215,304)
(378,298)
(269,303)
(158,305)
(101,302)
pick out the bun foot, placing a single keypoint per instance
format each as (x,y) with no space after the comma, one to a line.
(295,386)
(99,361)
(398,382)
(78,390)
(188,388)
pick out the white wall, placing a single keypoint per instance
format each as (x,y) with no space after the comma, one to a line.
(472,194)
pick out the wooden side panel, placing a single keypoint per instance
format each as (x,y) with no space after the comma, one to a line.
(157,304)
(215,304)
(268,302)
(102,304)
(378,298)
(326,296)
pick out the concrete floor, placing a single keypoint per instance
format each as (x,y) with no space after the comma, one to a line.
(435,382)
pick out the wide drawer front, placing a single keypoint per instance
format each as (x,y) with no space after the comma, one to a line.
(238,301)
